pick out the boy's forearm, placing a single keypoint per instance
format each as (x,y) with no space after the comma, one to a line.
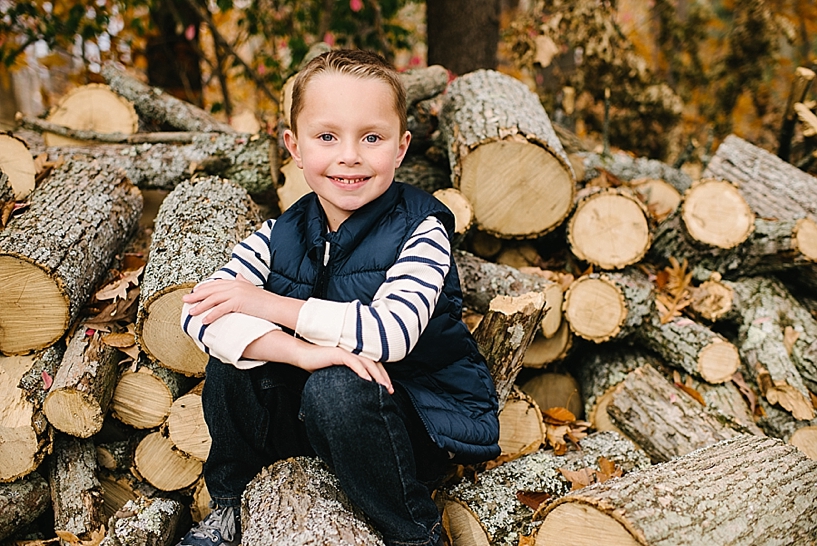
(275,346)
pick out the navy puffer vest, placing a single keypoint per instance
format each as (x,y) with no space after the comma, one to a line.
(444,374)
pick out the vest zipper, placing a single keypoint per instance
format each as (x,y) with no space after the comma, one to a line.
(319,290)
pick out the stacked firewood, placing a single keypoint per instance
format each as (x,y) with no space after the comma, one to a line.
(651,337)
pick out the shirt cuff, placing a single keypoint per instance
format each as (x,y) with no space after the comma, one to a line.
(321,321)
(228,336)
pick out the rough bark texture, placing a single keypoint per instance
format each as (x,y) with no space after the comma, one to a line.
(195,230)
(22,502)
(154,104)
(144,522)
(298,502)
(504,335)
(423,173)
(249,161)
(25,435)
(663,420)
(755,490)
(628,168)
(78,399)
(491,121)
(424,83)
(78,220)
(493,501)
(75,490)
(767,351)
(6,193)
(482,281)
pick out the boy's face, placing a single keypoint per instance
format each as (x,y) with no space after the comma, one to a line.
(349,142)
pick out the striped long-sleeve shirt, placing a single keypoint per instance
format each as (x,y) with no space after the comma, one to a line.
(389,326)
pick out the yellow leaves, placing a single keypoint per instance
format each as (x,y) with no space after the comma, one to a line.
(561,427)
(672,293)
(790,336)
(588,476)
(94,537)
(687,387)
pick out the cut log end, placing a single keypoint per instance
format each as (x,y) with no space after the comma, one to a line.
(521,429)
(526,303)
(712,300)
(141,400)
(187,428)
(660,196)
(805,439)
(718,362)
(585,525)
(164,467)
(524,206)
(595,308)
(805,238)
(458,204)
(92,107)
(462,526)
(74,412)
(33,310)
(715,213)
(544,350)
(163,339)
(16,162)
(609,229)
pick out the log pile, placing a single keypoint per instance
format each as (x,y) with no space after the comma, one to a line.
(648,334)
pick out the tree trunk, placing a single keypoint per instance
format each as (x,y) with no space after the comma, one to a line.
(53,254)
(78,399)
(197,226)
(298,502)
(186,426)
(144,395)
(75,490)
(505,157)
(755,491)
(489,512)
(663,420)
(462,36)
(25,436)
(504,335)
(154,104)
(144,522)
(164,467)
(21,502)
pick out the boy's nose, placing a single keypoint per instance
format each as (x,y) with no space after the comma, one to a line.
(350,153)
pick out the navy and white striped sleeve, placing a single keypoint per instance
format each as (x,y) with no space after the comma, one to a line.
(227,337)
(387,329)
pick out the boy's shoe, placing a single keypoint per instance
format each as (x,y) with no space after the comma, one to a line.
(221,527)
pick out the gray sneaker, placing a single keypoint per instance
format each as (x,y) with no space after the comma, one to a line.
(221,526)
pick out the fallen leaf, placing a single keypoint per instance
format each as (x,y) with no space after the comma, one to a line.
(608,469)
(67,536)
(745,390)
(558,416)
(132,261)
(692,392)
(5,213)
(47,380)
(790,336)
(579,478)
(526,540)
(532,499)
(119,340)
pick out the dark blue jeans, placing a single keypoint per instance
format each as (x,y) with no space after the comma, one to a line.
(375,442)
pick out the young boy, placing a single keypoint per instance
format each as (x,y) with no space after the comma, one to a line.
(336,329)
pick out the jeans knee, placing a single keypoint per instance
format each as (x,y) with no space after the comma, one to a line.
(334,395)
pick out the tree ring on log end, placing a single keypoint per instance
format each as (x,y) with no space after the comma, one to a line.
(17,163)
(595,308)
(715,213)
(19,445)
(33,309)
(141,400)
(584,524)
(164,340)
(518,190)
(459,205)
(73,412)
(718,362)
(92,107)
(609,229)
(164,467)
(805,237)
(463,526)
(544,350)
(805,439)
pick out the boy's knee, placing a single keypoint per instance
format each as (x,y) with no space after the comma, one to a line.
(331,393)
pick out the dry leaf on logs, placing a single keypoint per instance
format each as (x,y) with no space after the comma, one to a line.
(687,387)
(118,289)
(532,499)
(5,213)
(579,478)
(790,336)
(67,536)
(526,540)
(558,416)
(813,399)
(608,469)
(120,340)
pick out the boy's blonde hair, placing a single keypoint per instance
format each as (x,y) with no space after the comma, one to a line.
(354,62)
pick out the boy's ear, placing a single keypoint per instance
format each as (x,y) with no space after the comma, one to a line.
(402,148)
(291,142)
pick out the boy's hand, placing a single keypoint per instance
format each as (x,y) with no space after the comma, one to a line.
(223,296)
(314,357)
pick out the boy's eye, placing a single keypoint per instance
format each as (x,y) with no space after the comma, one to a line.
(326,137)
(371,139)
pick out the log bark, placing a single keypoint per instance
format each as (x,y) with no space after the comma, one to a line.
(423,173)
(195,230)
(609,229)
(298,502)
(779,423)
(78,399)
(25,435)
(505,156)
(164,467)
(21,502)
(627,168)
(154,104)
(765,350)
(144,522)
(53,255)
(489,511)
(186,426)
(662,419)
(145,393)
(504,335)
(756,491)
(249,161)
(482,281)
(75,490)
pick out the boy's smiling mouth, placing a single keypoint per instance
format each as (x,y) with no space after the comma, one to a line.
(349,181)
